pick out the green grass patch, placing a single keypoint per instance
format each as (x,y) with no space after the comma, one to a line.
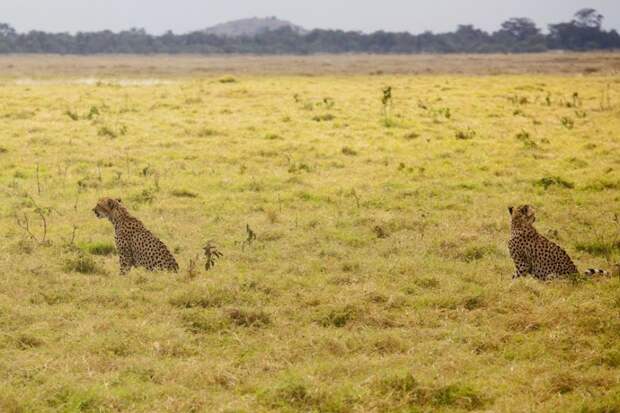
(98,248)
(549,181)
(599,248)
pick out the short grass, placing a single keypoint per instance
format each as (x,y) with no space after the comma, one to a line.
(379,279)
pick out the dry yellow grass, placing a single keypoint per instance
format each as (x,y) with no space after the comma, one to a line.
(379,279)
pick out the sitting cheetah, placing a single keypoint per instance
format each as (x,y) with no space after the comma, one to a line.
(136,245)
(534,254)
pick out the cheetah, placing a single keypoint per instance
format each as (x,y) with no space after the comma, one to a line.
(533,253)
(136,245)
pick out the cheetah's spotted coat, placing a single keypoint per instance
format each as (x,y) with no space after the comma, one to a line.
(136,245)
(534,254)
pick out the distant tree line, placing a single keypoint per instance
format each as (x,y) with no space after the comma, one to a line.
(516,35)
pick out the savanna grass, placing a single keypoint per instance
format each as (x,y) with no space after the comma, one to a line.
(365,265)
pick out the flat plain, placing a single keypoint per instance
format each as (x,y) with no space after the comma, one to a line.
(379,278)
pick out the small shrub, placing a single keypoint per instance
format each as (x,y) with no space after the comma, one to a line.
(473,303)
(83,264)
(272,136)
(567,122)
(386,101)
(390,123)
(106,131)
(524,137)
(205,132)
(338,317)
(466,134)
(461,396)
(412,135)
(323,118)
(402,387)
(248,318)
(227,79)
(72,115)
(145,197)
(348,151)
(445,112)
(184,193)
(548,181)
(329,102)
(429,282)
(518,100)
(293,393)
(26,341)
(147,171)
(93,112)
(298,167)
(380,232)
(3,149)
(476,252)
(98,248)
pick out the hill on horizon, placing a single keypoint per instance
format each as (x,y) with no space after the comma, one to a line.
(252,27)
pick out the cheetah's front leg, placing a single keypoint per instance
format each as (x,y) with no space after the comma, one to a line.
(126,262)
(522,267)
(125,256)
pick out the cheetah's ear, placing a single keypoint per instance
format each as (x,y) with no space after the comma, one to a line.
(529,211)
(510,210)
(119,200)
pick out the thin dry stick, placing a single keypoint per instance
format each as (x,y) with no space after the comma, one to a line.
(25,225)
(38,181)
(73,235)
(42,216)
(251,237)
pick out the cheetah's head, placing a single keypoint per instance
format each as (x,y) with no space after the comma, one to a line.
(106,207)
(522,216)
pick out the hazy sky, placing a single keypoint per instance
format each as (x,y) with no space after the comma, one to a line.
(157,16)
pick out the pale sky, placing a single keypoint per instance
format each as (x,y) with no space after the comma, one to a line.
(181,16)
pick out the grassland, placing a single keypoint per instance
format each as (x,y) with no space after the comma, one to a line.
(379,279)
(166,66)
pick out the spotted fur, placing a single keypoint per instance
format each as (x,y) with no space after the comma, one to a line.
(136,245)
(534,254)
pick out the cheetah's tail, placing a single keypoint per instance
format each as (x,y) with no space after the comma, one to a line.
(595,271)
